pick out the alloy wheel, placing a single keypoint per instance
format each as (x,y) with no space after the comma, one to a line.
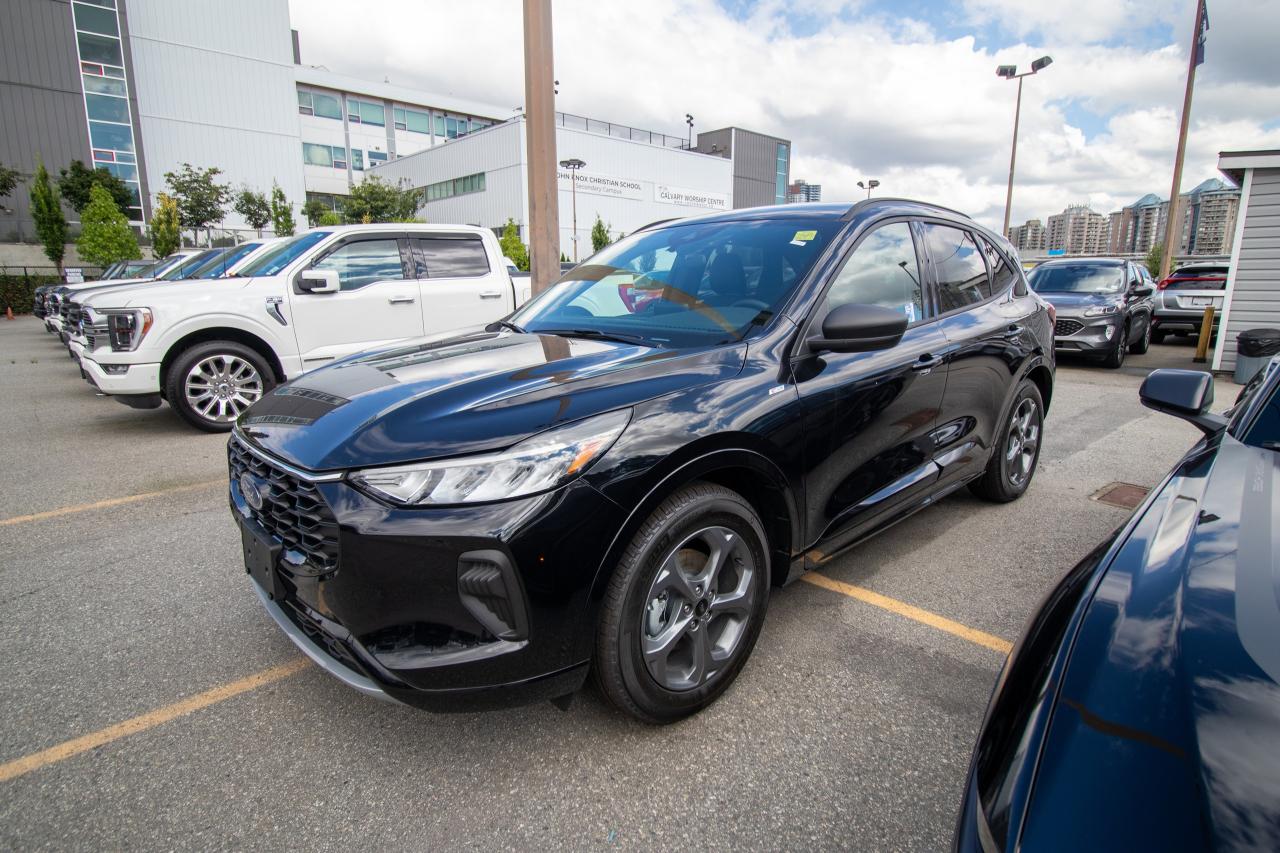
(1022,442)
(697,608)
(221,387)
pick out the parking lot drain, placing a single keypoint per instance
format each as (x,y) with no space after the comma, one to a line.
(1123,495)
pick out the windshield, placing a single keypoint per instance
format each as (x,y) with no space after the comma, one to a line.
(276,259)
(1077,278)
(219,264)
(684,284)
(189,264)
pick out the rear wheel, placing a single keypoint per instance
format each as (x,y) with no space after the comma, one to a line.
(685,605)
(210,385)
(1017,449)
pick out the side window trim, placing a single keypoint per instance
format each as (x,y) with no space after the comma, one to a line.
(342,243)
(846,251)
(932,274)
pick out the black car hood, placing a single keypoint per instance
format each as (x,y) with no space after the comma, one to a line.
(464,394)
(1172,695)
(1080,301)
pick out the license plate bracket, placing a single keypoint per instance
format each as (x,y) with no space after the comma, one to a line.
(260,557)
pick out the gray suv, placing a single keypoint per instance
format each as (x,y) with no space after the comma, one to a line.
(1103,306)
(1182,297)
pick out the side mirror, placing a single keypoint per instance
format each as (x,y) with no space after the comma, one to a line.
(859,328)
(319,281)
(1143,290)
(1185,394)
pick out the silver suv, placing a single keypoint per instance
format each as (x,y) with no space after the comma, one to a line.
(1182,297)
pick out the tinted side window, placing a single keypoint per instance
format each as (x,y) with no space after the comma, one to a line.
(881,271)
(962,276)
(363,263)
(1003,276)
(447,257)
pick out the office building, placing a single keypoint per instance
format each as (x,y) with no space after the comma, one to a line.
(761,164)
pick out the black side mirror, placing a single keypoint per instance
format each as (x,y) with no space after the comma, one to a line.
(859,328)
(1185,394)
(1142,290)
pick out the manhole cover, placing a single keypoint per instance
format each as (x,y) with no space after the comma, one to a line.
(1123,495)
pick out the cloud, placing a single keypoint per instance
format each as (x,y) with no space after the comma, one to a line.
(862,93)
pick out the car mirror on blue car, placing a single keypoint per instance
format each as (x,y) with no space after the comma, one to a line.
(1185,394)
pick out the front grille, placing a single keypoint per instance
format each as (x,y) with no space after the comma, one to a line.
(1067,327)
(300,615)
(293,511)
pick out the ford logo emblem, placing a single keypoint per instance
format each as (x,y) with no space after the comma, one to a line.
(250,491)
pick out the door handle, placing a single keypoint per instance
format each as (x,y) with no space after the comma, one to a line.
(1013,331)
(402,300)
(926,363)
(490,294)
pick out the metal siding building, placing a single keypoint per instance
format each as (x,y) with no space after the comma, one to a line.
(1253,283)
(627,183)
(761,164)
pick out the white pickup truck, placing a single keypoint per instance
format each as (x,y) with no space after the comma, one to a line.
(212,350)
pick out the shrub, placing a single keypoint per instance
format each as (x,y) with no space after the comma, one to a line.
(18,291)
(164,231)
(105,235)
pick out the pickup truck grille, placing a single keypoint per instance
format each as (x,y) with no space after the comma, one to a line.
(293,511)
(1063,328)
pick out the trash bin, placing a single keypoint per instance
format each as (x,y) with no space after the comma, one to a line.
(1254,348)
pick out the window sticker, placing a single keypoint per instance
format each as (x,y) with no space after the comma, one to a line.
(803,237)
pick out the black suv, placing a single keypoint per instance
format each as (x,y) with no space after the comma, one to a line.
(1103,306)
(615,477)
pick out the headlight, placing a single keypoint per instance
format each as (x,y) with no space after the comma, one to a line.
(1101,310)
(126,327)
(534,465)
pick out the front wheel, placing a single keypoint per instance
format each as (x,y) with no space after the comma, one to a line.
(1142,344)
(685,605)
(1016,450)
(1115,358)
(211,384)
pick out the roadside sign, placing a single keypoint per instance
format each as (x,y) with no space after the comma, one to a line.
(75,275)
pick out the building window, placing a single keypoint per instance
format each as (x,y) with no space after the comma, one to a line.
(357,159)
(319,104)
(780,182)
(114,136)
(104,50)
(103,85)
(457,186)
(95,19)
(376,158)
(304,103)
(107,108)
(365,112)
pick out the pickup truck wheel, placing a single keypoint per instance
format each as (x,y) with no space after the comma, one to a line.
(211,384)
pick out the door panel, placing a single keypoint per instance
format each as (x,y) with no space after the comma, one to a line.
(460,287)
(868,416)
(376,305)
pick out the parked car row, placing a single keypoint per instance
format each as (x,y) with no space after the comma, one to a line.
(211,331)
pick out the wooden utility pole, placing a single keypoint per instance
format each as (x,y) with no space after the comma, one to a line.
(1173,225)
(540,137)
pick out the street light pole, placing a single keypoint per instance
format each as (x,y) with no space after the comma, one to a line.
(540,130)
(1010,72)
(869,186)
(573,165)
(688,119)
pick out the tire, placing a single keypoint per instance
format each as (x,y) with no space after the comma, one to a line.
(1009,474)
(655,594)
(204,366)
(1142,344)
(1115,358)
(1158,336)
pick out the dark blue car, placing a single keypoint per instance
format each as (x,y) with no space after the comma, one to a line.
(1140,710)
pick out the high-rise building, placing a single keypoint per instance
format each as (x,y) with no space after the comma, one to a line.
(802,191)
(1209,220)
(1027,237)
(1078,230)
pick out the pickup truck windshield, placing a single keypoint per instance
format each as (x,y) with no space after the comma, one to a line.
(276,259)
(190,264)
(683,285)
(1077,278)
(219,264)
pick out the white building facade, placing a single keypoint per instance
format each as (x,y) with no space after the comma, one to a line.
(483,180)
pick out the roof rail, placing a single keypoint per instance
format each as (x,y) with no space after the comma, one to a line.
(866,202)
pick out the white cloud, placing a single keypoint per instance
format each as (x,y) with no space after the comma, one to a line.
(861,96)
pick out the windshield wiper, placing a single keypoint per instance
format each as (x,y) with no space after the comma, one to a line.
(597,335)
(504,324)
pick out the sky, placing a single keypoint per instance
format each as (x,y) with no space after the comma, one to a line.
(904,92)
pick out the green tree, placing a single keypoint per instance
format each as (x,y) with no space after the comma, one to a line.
(281,212)
(329,217)
(105,235)
(75,181)
(255,209)
(201,200)
(1154,258)
(511,246)
(375,200)
(164,230)
(599,234)
(314,210)
(8,180)
(51,222)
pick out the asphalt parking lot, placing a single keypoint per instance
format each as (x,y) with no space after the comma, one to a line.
(153,705)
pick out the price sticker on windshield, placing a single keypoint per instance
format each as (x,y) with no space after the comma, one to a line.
(803,237)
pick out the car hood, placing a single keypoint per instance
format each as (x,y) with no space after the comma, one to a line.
(464,394)
(1171,701)
(1080,301)
(145,294)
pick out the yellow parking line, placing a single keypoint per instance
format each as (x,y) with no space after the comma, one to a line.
(151,719)
(933,620)
(110,502)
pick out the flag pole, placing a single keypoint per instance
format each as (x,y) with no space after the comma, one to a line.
(1173,223)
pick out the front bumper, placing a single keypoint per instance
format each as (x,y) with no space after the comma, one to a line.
(418,604)
(1091,336)
(138,380)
